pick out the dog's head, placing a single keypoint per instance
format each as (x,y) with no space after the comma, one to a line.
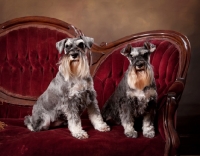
(140,73)
(75,61)
(139,57)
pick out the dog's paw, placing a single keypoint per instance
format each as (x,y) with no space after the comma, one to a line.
(80,135)
(103,128)
(149,133)
(131,134)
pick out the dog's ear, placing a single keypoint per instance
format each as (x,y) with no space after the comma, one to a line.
(149,46)
(60,45)
(127,50)
(88,41)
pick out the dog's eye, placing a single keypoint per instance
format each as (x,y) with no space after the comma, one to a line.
(81,45)
(146,55)
(68,46)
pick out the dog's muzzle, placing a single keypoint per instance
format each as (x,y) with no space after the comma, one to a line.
(74,55)
(140,65)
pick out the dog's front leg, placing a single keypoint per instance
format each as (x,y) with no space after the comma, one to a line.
(95,115)
(96,118)
(127,119)
(148,120)
(148,127)
(73,118)
(74,125)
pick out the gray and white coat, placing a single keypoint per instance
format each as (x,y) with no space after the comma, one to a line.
(69,93)
(136,95)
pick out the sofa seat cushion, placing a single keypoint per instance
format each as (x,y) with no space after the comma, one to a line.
(16,139)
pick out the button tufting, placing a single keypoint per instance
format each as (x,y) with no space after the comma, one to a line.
(31,69)
(52,70)
(21,69)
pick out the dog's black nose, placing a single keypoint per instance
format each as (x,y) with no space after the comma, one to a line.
(74,55)
(140,64)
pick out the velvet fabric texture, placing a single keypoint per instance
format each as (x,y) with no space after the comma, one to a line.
(29,59)
(18,140)
(28,64)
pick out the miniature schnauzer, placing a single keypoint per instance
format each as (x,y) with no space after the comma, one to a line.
(69,93)
(136,94)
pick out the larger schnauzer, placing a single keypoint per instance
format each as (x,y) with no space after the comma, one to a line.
(69,93)
(136,93)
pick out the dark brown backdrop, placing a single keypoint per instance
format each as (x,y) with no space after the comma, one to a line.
(107,20)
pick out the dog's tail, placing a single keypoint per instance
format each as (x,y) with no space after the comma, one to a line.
(28,122)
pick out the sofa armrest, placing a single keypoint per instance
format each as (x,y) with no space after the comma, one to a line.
(173,141)
(169,116)
(177,88)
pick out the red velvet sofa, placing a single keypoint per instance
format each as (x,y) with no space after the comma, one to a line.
(28,62)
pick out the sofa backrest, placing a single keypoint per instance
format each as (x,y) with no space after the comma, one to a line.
(28,62)
(28,55)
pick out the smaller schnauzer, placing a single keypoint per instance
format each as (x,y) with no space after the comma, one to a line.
(69,93)
(136,93)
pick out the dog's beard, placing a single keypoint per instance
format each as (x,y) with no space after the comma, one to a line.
(74,68)
(74,64)
(140,79)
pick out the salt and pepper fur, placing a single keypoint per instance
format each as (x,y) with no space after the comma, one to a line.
(136,94)
(69,93)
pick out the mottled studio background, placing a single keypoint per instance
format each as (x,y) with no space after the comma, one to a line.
(109,20)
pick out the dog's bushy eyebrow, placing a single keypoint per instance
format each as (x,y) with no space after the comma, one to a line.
(79,41)
(68,42)
(143,51)
(138,51)
(135,52)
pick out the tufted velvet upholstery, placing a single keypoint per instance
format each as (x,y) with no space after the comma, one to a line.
(27,54)
(28,62)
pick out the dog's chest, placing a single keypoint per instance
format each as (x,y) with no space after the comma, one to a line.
(78,87)
(139,94)
(138,101)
